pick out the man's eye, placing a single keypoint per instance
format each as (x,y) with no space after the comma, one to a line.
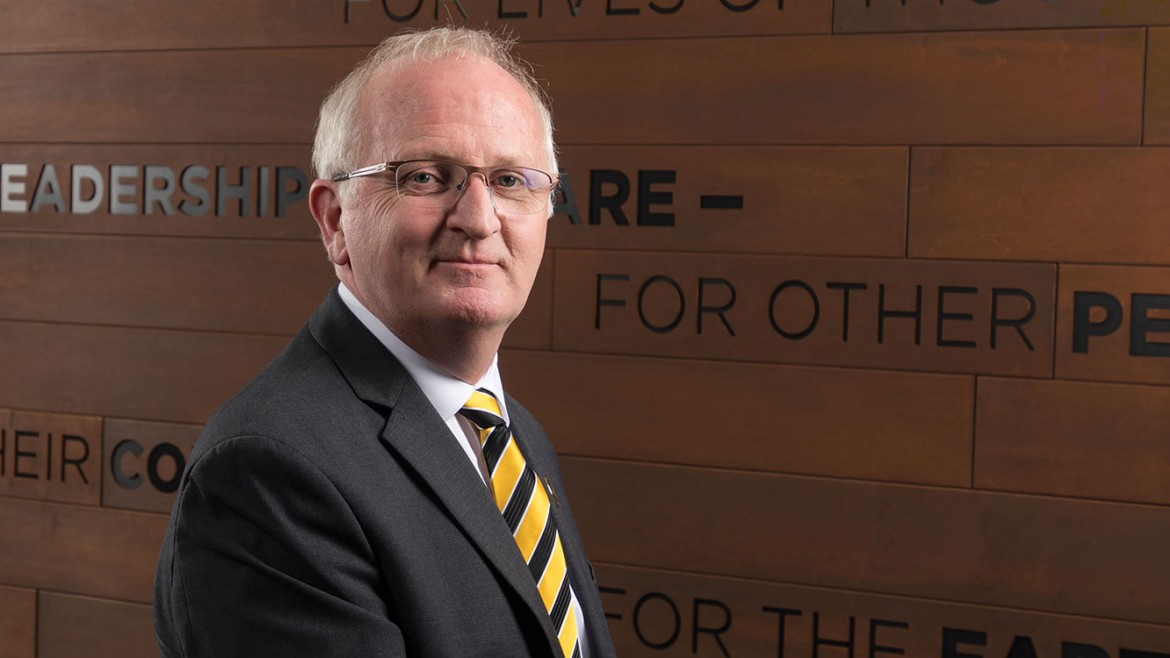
(422,180)
(508,180)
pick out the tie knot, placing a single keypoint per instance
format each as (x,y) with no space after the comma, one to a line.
(483,410)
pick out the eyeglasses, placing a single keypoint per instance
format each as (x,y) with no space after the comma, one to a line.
(438,185)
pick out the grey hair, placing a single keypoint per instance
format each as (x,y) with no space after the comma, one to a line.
(338,129)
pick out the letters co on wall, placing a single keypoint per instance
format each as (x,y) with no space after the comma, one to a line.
(926,238)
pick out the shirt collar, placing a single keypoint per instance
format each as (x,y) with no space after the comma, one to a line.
(446,392)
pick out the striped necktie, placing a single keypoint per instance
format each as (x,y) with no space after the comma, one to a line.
(525,506)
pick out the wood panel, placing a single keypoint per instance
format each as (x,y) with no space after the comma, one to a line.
(1039,87)
(1074,439)
(219,96)
(805,200)
(1081,86)
(653,612)
(144,462)
(58,25)
(7,453)
(127,373)
(533,329)
(49,169)
(1113,323)
(164,375)
(1025,552)
(821,311)
(48,456)
(81,550)
(18,620)
(1096,205)
(71,626)
(1157,116)
(899,427)
(246,286)
(915,15)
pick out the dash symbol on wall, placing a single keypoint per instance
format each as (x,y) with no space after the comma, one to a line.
(721,202)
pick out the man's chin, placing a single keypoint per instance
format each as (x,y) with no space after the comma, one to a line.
(473,312)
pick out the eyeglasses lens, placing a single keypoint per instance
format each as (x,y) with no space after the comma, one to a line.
(518,190)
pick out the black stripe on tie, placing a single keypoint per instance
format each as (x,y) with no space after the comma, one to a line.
(514,510)
(577,649)
(561,605)
(494,448)
(543,550)
(480,418)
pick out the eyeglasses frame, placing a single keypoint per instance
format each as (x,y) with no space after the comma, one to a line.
(392,167)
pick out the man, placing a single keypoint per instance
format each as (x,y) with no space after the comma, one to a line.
(374,492)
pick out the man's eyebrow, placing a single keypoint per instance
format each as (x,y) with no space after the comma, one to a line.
(506,161)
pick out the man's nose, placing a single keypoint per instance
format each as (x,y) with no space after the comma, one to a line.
(474,211)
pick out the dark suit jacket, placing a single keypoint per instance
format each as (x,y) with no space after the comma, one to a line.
(327,511)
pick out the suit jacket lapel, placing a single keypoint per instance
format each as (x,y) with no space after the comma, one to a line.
(411,432)
(414,431)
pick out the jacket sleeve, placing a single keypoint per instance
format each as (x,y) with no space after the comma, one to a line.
(264,557)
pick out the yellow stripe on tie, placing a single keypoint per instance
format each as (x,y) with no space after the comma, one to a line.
(507,474)
(532,525)
(485,402)
(554,575)
(568,634)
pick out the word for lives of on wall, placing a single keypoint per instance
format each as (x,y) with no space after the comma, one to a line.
(417,11)
(794,15)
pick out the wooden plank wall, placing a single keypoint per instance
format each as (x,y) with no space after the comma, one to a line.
(852,336)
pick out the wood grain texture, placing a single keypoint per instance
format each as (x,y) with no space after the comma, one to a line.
(1025,552)
(217,96)
(1117,331)
(153,374)
(795,200)
(533,329)
(69,626)
(1157,115)
(296,221)
(144,461)
(246,286)
(897,427)
(1033,87)
(58,25)
(78,549)
(648,607)
(18,623)
(873,313)
(50,456)
(127,373)
(916,15)
(1073,439)
(1058,87)
(1089,205)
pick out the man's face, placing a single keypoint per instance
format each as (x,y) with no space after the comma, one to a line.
(467,268)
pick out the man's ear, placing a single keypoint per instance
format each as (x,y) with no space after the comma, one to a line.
(325,203)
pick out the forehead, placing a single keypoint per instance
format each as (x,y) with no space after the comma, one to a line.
(464,108)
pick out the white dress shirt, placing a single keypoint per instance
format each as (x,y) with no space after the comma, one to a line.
(447,395)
